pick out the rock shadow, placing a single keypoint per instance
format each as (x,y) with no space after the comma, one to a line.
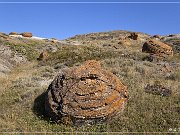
(39,107)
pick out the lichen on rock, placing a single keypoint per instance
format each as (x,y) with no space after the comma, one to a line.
(86,94)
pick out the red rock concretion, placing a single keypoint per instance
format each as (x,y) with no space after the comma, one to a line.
(157,47)
(26,34)
(86,94)
(13,33)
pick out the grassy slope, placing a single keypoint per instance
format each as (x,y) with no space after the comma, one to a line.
(22,90)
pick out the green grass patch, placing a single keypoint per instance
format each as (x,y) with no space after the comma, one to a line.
(27,50)
(78,54)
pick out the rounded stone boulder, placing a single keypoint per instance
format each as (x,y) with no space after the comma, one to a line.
(85,94)
(13,33)
(157,47)
(27,34)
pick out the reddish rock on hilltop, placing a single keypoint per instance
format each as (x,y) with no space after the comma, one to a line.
(13,33)
(26,34)
(86,94)
(157,47)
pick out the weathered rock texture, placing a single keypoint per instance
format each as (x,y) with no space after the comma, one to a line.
(26,34)
(86,94)
(157,47)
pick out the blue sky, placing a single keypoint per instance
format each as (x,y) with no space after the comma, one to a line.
(65,20)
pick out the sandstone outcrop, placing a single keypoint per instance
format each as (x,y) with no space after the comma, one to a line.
(157,47)
(26,34)
(86,94)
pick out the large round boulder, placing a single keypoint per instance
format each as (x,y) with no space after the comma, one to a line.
(85,94)
(27,34)
(157,47)
(13,33)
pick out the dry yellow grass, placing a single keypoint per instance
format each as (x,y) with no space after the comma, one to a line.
(24,70)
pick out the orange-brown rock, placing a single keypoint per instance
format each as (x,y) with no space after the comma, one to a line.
(86,94)
(27,34)
(13,33)
(157,47)
(133,36)
(44,55)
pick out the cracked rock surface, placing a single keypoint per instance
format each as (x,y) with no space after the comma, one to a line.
(86,94)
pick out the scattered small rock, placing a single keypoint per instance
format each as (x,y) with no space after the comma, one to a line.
(158,89)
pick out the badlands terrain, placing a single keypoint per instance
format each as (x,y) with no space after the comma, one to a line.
(149,66)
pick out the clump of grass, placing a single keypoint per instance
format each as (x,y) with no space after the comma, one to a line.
(27,50)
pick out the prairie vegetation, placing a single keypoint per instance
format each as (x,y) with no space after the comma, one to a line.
(22,90)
